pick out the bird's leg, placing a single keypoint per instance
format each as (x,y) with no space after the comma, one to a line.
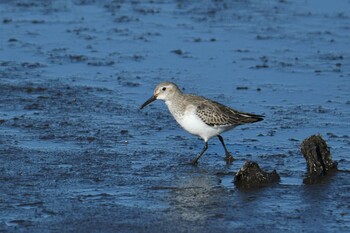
(229,159)
(194,162)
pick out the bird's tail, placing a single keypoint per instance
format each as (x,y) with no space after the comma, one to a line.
(250,118)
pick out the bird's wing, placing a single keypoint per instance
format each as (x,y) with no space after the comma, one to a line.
(216,114)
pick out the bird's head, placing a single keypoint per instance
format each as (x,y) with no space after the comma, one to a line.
(164,91)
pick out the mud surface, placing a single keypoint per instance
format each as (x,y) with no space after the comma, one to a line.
(77,154)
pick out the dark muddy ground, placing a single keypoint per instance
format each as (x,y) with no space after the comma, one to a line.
(77,155)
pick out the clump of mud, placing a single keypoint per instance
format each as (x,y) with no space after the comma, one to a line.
(318,158)
(252,176)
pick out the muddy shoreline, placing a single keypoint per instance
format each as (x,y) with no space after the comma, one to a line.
(77,154)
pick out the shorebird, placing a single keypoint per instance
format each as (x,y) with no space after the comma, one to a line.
(200,116)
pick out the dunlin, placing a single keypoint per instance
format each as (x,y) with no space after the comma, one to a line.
(200,116)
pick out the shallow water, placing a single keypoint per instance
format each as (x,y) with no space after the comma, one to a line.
(78,155)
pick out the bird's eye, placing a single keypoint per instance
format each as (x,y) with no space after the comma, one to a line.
(164,88)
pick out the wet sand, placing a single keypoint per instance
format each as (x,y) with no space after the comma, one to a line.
(77,154)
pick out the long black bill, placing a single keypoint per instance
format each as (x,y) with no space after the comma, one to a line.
(150,100)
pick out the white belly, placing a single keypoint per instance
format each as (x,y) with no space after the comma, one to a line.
(194,125)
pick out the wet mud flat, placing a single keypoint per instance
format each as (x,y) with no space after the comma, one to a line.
(77,155)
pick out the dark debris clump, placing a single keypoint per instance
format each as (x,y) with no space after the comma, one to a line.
(252,176)
(318,158)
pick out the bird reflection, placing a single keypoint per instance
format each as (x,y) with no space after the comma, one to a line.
(194,198)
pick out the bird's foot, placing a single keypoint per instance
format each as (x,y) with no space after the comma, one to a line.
(229,159)
(194,162)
